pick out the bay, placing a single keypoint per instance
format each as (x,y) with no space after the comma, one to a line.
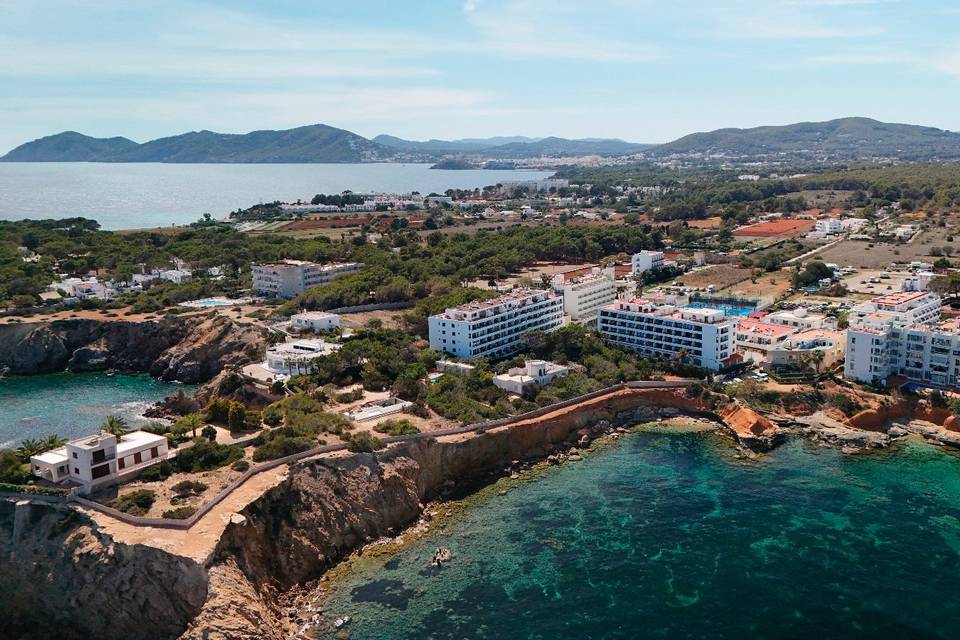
(672,535)
(145,195)
(72,405)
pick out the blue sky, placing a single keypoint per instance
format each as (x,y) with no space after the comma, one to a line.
(642,70)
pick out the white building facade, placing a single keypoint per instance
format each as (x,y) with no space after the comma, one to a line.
(292,277)
(582,296)
(494,328)
(297,357)
(701,336)
(645,261)
(100,460)
(315,321)
(532,373)
(900,334)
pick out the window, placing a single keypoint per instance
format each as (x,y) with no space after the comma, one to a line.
(76,471)
(137,458)
(155,452)
(100,472)
(120,463)
(74,455)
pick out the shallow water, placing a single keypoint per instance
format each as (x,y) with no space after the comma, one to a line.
(141,195)
(671,535)
(74,404)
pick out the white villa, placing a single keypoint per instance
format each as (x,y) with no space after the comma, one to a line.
(100,460)
(297,356)
(315,321)
(533,372)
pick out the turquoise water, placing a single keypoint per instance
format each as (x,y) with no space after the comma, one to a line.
(732,310)
(132,196)
(673,536)
(73,404)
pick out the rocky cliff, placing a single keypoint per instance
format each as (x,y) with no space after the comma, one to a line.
(61,577)
(189,349)
(66,573)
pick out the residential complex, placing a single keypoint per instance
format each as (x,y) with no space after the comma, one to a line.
(495,327)
(701,336)
(901,335)
(292,277)
(100,460)
(584,294)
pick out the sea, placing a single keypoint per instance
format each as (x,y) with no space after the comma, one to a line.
(146,195)
(671,534)
(71,405)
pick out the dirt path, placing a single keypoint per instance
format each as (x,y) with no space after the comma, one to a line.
(199,541)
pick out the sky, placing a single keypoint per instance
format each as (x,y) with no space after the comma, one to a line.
(641,70)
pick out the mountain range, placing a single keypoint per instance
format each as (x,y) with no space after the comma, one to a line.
(841,139)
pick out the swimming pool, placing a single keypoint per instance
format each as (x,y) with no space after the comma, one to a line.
(214,302)
(729,308)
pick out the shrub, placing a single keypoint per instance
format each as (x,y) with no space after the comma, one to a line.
(157,472)
(210,433)
(205,455)
(844,403)
(400,427)
(364,442)
(189,488)
(136,503)
(349,396)
(240,465)
(237,417)
(282,446)
(180,513)
(12,469)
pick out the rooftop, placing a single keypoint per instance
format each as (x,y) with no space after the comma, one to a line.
(759,327)
(894,299)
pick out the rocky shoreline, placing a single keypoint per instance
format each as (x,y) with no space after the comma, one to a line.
(189,349)
(273,551)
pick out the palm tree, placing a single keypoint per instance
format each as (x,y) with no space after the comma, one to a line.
(114,425)
(53,442)
(29,447)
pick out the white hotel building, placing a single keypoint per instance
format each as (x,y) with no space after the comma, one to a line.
(900,334)
(583,295)
(495,327)
(292,277)
(645,261)
(703,336)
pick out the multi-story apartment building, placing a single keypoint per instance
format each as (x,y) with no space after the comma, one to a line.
(100,460)
(584,294)
(292,277)
(900,334)
(701,336)
(645,261)
(493,328)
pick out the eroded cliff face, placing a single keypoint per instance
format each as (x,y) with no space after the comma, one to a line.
(188,349)
(328,508)
(60,577)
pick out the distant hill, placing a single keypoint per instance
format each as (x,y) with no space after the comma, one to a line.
(314,143)
(69,146)
(563,147)
(515,146)
(844,138)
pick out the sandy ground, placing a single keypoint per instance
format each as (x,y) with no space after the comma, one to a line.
(859,282)
(199,541)
(859,253)
(775,284)
(721,276)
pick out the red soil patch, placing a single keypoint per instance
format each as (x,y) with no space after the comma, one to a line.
(771,228)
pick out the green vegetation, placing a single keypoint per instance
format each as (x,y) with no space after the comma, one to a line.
(12,468)
(180,513)
(240,465)
(136,503)
(157,472)
(844,403)
(204,455)
(279,445)
(811,274)
(188,488)
(364,442)
(402,427)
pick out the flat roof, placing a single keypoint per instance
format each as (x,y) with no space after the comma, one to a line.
(760,327)
(894,299)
